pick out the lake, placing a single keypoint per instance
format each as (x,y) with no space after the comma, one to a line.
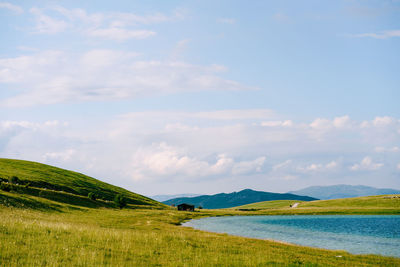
(357,234)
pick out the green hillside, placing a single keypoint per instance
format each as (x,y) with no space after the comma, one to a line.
(223,200)
(61,185)
(274,204)
(383,201)
(389,204)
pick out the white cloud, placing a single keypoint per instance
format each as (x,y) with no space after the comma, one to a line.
(331,165)
(282,165)
(117,26)
(28,125)
(382,121)
(120,34)
(12,7)
(245,167)
(47,24)
(313,167)
(341,122)
(326,124)
(286,123)
(380,35)
(162,160)
(366,164)
(321,124)
(59,156)
(398,166)
(51,77)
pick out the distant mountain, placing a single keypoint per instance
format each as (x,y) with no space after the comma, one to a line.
(162,198)
(221,201)
(343,191)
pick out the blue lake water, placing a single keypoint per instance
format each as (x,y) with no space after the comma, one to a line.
(357,234)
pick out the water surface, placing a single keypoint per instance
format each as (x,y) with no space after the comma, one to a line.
(358,234)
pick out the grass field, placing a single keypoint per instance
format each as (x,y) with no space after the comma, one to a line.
(276,204)
(63,229)
(52,178)
(386,204)
(71,235)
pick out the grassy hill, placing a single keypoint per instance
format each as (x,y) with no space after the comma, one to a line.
(384,204)
(222,201)
(273,204)
(38,179)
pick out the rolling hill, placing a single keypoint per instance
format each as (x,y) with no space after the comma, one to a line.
(54,183)
(343,191)
(223,200)
(389,204)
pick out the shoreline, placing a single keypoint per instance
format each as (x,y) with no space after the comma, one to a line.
(186,224)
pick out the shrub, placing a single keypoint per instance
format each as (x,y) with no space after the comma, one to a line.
(5,187)
(14,180)
(120,201)
(92,196)
(200,207)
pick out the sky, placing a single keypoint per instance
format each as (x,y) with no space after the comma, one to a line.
(169,97)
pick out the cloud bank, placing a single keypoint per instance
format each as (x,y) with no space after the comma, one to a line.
(208,148)
(51,77)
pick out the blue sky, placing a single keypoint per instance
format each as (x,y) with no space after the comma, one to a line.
(204,96)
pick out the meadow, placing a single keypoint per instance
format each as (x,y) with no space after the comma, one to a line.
(385,204)
(43,226)
(79,236)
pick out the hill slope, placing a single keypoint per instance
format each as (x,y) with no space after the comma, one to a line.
(61,181)
(343,191)
(221,201)
(386,204)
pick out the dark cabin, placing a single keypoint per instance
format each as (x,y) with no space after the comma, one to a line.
(185,207)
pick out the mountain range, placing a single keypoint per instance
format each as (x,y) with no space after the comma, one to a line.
(343,191)
(228,200)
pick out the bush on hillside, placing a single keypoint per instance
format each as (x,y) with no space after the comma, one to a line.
(14,180)
(120,201)
(92,196)
(5,187)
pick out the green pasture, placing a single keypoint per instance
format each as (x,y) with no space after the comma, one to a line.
(42,226)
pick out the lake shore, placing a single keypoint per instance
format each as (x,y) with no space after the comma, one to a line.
(339,232)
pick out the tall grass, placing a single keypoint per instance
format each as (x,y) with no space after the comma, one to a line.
(81,236)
